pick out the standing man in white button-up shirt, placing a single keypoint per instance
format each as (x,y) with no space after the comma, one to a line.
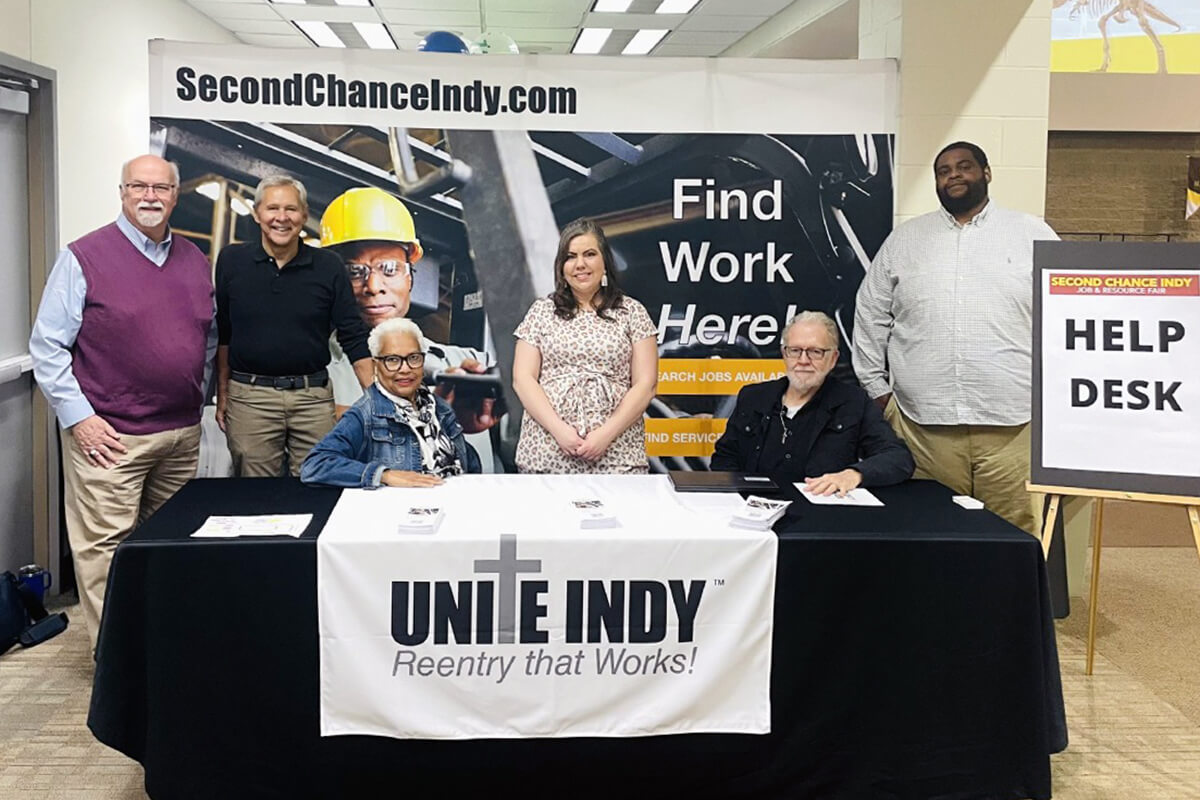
(943,336)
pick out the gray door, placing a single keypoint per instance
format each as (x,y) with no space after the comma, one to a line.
(16,381)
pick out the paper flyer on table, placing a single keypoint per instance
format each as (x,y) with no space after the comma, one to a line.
(292,525)
(855,497)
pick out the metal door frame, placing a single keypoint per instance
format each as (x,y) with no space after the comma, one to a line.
(41,138)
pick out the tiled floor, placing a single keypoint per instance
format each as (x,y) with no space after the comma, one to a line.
(46,750)
(1126,743)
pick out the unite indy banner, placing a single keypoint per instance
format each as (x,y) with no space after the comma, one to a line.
(734,193)
(511,621)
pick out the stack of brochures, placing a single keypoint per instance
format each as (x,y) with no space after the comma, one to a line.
(759,513)
(592,513)
(420,519)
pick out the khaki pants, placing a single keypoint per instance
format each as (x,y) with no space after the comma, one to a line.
(264,425)
(987,462)
(104,505)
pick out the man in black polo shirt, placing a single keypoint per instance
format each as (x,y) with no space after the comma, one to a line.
(804,428)
(277,301)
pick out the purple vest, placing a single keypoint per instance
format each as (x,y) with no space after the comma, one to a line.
(139,355)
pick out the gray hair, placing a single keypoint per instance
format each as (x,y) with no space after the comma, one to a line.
(271,181)
(394,325)
(817,317)
(174,169)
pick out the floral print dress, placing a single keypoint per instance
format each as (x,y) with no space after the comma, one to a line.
(586,370)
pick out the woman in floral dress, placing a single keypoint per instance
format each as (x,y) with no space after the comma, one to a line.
(586,366)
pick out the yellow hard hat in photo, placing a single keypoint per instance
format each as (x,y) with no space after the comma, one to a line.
(369,214)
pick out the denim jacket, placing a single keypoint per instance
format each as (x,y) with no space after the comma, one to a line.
(370,438)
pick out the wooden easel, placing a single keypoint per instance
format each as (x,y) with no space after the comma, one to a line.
(1055,495)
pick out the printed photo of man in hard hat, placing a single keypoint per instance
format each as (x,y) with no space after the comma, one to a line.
(374,234)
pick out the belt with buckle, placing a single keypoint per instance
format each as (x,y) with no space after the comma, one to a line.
(317,379)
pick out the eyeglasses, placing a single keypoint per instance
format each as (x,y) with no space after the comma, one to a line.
(813,353)
(359,273)
(139,188)
(392,363)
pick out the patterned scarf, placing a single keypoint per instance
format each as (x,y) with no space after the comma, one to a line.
(438,456)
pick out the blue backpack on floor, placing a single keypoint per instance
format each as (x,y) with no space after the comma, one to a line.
(23,618)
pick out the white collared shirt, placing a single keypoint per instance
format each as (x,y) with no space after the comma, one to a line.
(944,318)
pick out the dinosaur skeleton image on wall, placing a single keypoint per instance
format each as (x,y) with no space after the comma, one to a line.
(1120,12)
(488,205)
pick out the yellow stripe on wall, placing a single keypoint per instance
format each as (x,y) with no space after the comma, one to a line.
(1129,54)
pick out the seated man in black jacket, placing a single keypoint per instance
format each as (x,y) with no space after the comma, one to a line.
(801,427)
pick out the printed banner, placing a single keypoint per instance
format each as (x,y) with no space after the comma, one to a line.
(512,620)
(563,93)
(1119,380)
(744,191)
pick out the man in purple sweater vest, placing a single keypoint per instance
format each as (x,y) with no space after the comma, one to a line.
(120,346)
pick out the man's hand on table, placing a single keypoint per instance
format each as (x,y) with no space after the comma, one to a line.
(840,483)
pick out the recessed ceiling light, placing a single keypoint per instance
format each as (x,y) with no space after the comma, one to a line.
(591,40)
(375,35)
(617,6)
(675,6)
(320,33)
(288,2)
(643,42)
(366,3)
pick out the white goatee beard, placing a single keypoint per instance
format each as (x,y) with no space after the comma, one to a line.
(151,218)
(802,385)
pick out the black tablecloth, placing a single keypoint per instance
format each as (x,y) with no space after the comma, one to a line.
(913,657)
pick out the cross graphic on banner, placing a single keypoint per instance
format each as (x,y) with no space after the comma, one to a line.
(506,568)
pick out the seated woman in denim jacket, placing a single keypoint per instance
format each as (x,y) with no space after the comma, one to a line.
(399,433)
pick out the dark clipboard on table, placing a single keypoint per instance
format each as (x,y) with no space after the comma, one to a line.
(697,481)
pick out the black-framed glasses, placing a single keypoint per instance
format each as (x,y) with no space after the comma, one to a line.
(389,268)
(139,188)
(813,353)
(392,363)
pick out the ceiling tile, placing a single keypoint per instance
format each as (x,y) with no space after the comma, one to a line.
(740,24)
(212,8)
(503,20)
(273,40)
(732,8)
(432,20)
(634,21)
(543,35)
(277,26)
(578,7)
(686,50)
(425,6)
(724,39)
(412,34)
(347,14)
